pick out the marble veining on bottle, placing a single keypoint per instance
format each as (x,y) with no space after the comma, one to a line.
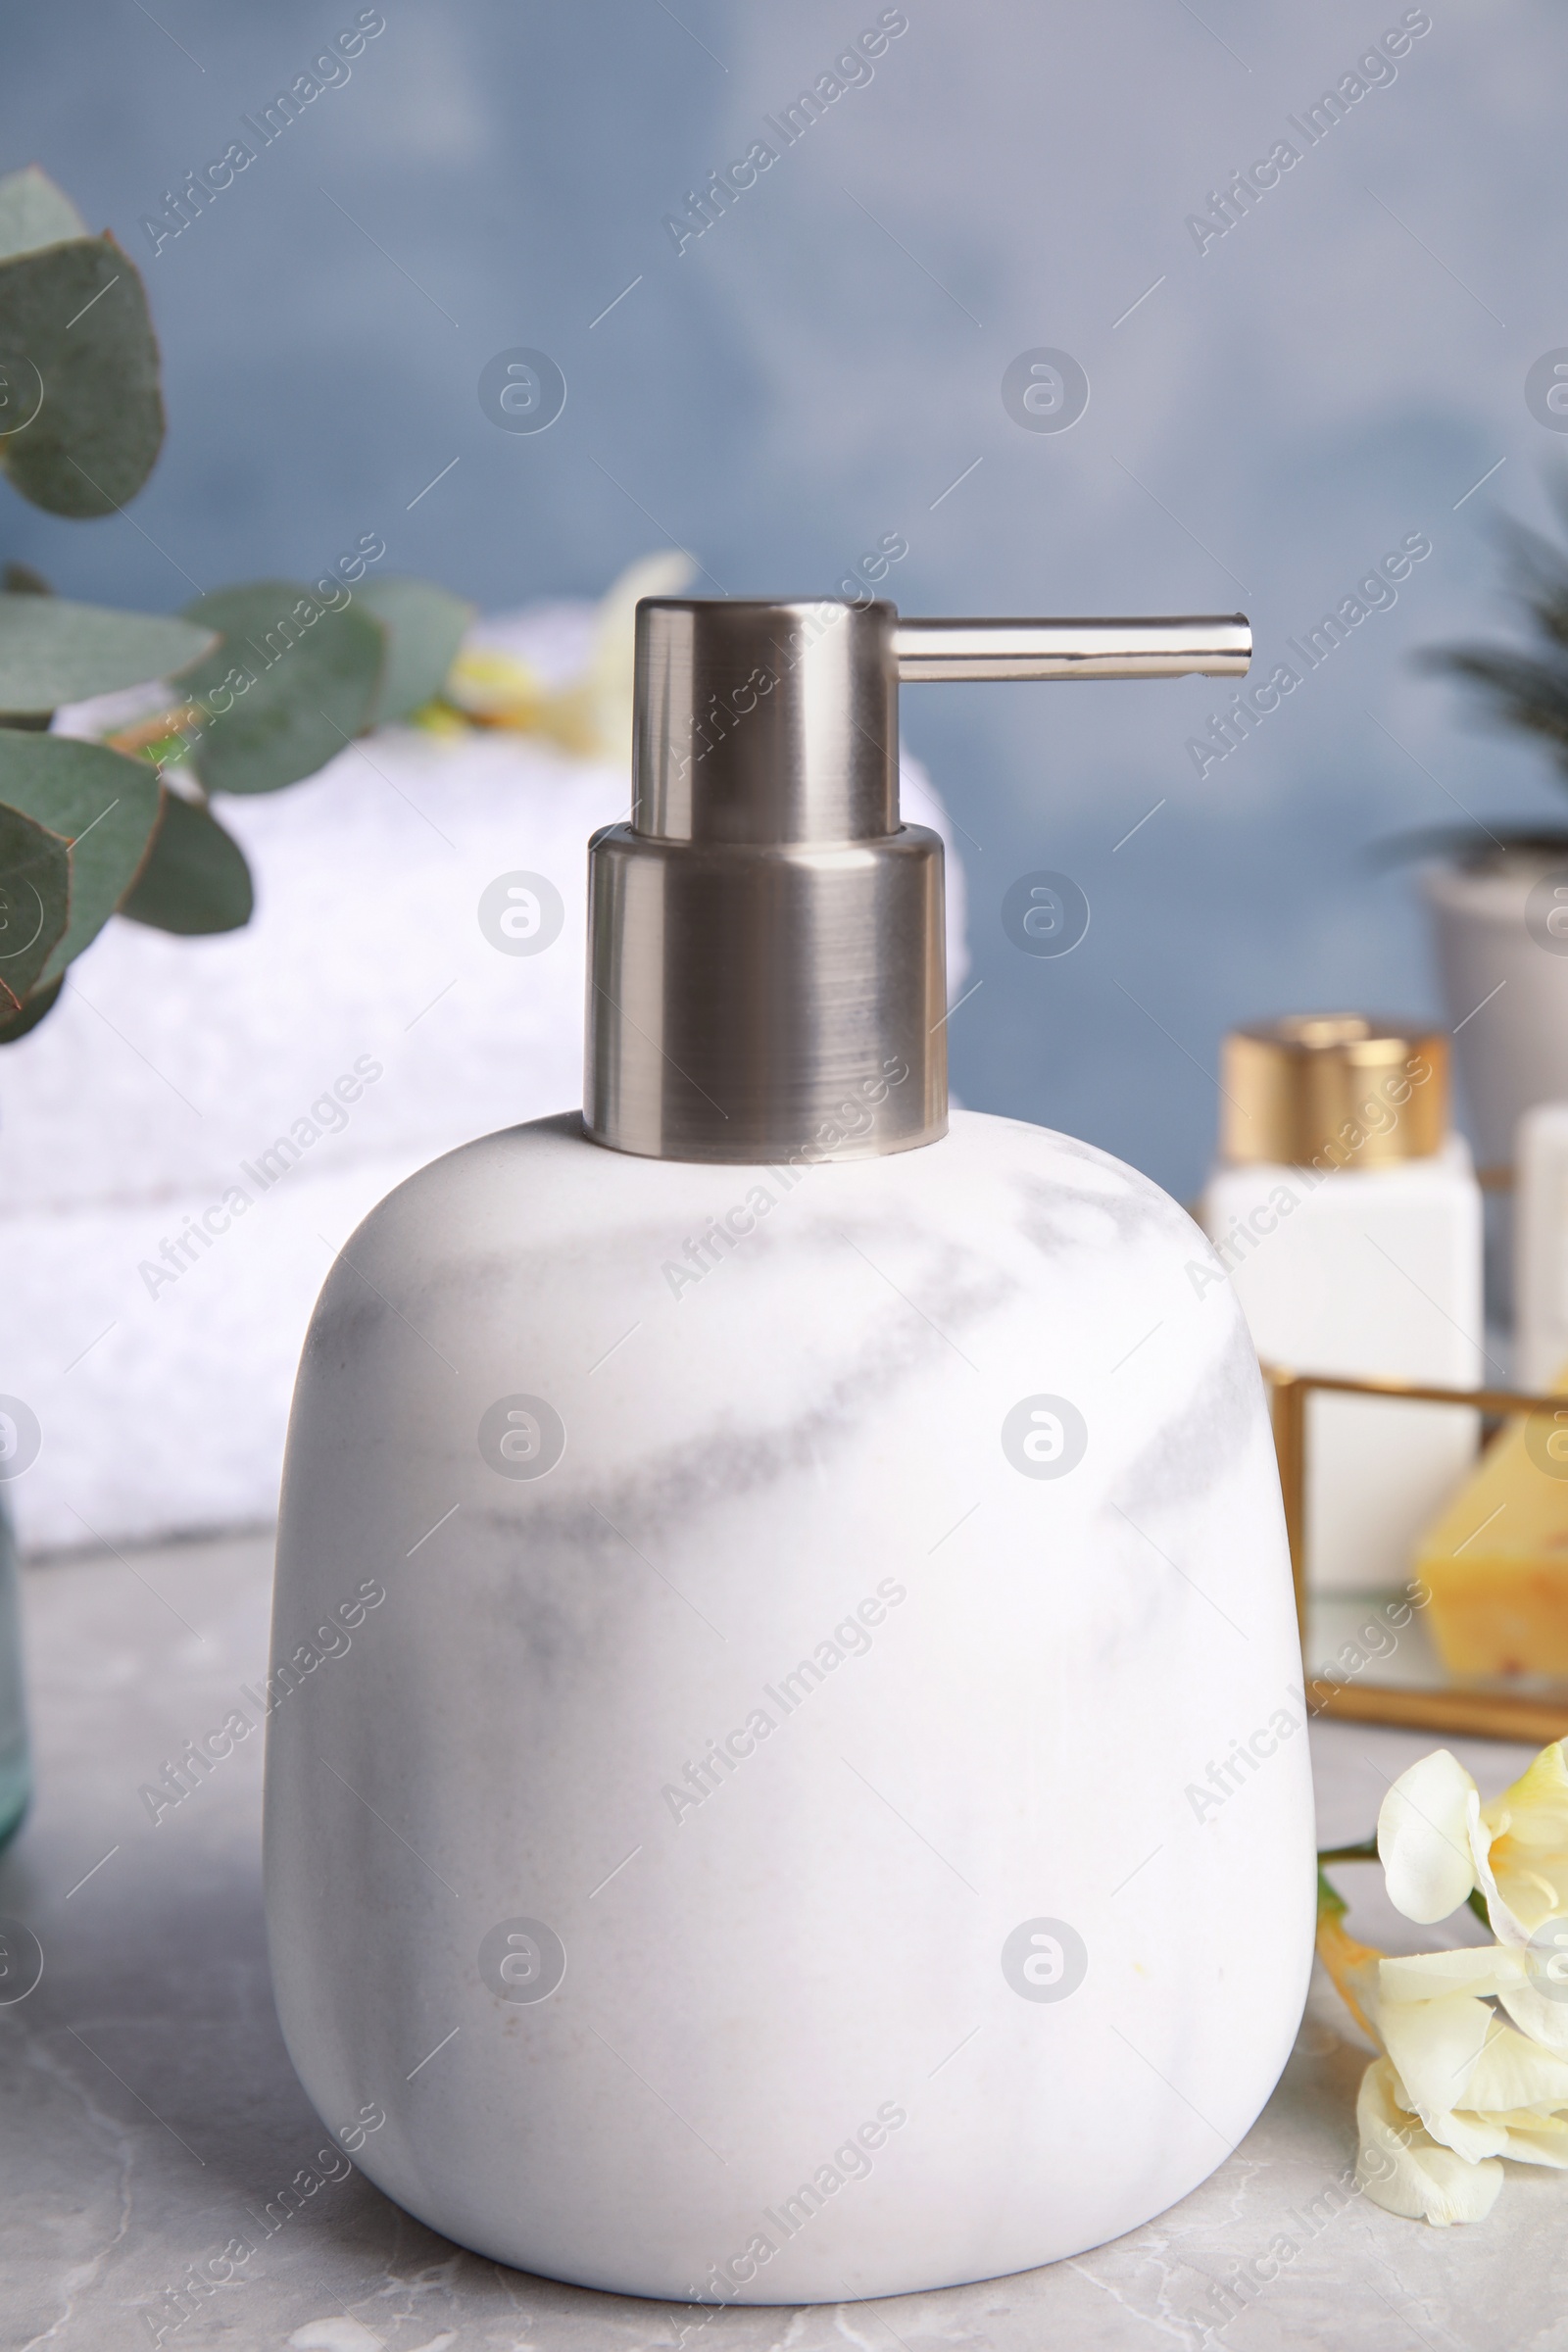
(758,1967)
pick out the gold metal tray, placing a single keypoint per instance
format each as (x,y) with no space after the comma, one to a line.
(1467,1710)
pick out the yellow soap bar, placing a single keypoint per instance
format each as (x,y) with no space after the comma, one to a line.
(1494,1566)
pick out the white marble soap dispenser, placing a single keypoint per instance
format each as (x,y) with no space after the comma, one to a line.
(819,1806)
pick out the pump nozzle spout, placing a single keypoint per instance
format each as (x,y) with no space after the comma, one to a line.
(1206,644)
(766,973)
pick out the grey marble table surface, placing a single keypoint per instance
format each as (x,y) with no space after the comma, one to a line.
(149,2114)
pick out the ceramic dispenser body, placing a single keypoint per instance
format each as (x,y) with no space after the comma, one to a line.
(821,1807)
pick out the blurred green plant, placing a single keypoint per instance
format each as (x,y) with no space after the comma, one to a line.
(274,678)
(1524,689)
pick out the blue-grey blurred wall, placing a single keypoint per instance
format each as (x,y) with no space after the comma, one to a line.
(1282,389)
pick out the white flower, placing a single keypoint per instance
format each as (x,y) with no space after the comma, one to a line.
(1402,2169)
(1438,1842)
(1458,2085)
(1479,2085)
(591,715)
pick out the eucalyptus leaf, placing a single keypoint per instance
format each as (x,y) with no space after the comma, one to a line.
(35,903)
(103,805)
(43,1000)
(54,652)
(33,212)
(195,878)
(291,684)
(82,418)
(425,626)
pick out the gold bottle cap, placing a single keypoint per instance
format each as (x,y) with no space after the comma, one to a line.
(1333,1090)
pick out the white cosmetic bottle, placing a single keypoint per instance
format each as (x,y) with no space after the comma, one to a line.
(798,1786)
(1347,1216)
(1541,1246)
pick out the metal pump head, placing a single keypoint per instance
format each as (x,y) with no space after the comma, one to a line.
(766,973)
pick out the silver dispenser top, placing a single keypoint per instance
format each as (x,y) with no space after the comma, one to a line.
(766,971)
